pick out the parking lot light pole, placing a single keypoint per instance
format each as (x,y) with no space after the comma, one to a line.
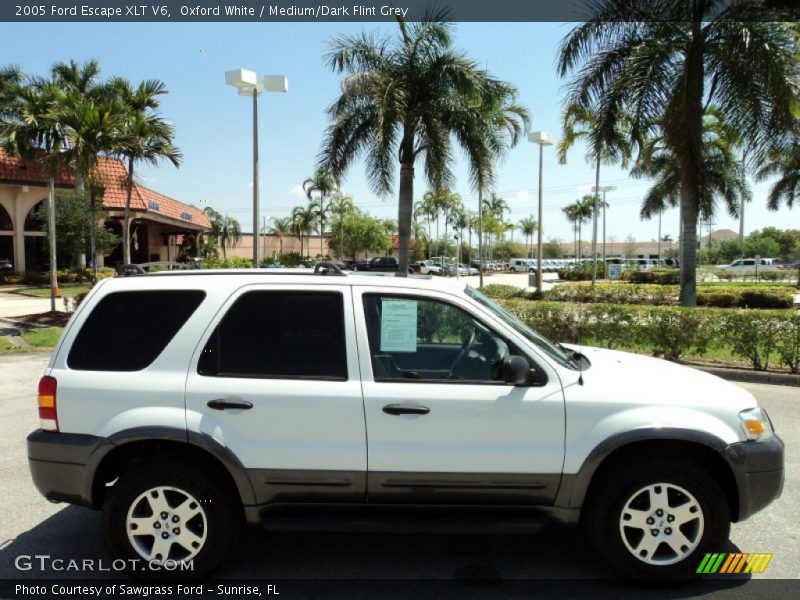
(542,139)
(604,189)
(248,84)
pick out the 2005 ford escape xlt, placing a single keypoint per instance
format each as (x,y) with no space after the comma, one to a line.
(185,405)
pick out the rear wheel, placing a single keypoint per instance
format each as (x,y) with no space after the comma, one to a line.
(658,518)
(167,515)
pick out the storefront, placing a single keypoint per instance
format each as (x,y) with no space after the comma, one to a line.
(158,223)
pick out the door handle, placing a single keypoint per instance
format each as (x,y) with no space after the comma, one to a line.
(406,409)
(222,404)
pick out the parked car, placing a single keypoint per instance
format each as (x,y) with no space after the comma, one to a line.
(522,265)
(6,267)
(752,264)
(380,264)
(426,267)
(186,404)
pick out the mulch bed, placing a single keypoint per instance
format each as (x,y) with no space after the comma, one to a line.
(45,319)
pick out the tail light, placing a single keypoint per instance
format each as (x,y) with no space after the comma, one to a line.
(48,415)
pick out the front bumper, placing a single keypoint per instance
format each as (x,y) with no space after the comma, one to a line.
(758,469)
(63,464)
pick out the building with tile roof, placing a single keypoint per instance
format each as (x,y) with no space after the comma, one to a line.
(158,222)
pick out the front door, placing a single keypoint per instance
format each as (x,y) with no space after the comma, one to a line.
(276,382)
(442,424)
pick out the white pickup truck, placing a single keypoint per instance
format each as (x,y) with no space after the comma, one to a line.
(427,267)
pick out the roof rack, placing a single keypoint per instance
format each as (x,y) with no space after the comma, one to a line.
(327,267)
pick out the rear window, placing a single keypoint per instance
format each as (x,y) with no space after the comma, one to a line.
(127,331)
(279,335)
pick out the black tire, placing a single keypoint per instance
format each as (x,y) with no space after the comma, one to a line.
(609,496)
(223,517)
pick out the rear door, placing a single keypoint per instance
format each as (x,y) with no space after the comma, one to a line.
(276,381)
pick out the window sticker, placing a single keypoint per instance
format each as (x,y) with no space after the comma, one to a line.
(399,326)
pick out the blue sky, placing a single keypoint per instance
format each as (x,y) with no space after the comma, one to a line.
(214,130)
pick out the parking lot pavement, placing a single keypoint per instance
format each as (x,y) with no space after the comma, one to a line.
(30,525)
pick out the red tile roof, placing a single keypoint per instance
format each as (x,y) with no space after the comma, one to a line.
(113,174)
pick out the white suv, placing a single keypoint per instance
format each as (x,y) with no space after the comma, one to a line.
(186,404)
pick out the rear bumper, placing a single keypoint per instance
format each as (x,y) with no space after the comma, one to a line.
(62,465)
(758,468)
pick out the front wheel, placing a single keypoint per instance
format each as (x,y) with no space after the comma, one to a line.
(658,518)
(170,520)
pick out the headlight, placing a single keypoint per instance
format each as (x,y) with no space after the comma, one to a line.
(756,424)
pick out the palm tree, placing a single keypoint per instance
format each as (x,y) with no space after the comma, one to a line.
(325,184)
(29,127)
(578,213)
(280,228)
(10,80)
(409,98)
(664,63)
(722,171)
(145,137)
(230,234)
(528,227)
(785,165)
(340,207)
(91,129)
(494,208)
(607,144)
(303,219)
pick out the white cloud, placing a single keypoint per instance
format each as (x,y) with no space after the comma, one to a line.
(521,197)
(298,191)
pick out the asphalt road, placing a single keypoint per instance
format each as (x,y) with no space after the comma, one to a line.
(486,566)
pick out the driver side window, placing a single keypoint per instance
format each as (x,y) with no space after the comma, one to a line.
(420,339)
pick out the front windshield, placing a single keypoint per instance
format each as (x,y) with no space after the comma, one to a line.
(545,345)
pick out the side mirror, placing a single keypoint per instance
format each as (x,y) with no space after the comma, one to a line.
(516,370)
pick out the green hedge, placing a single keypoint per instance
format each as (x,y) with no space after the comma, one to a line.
(669,331)
(719,296)
(658,276)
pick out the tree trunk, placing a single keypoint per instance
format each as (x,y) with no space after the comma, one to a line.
(594,219)
(93,234)
(688,140)
(405,207)
(480,236)
(51,230)
(126,218)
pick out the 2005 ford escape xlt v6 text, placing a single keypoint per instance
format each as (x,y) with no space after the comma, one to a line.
(186,404)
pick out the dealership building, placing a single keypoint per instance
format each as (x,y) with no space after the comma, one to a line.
(158,223)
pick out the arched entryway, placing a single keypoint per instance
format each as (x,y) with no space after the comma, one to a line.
(6,236)
(37,256)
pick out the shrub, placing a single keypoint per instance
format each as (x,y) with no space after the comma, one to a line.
(671,332)
(611,325)
(233,262)
(500,290)
(615,293)
(787,342)
(752,335)
(719,299)
(657,276)
(556,321)
(766,298)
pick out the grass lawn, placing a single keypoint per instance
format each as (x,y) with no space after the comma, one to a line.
(43,338)
(68,289)
(6,347)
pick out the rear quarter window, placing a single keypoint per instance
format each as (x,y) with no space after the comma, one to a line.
(126,331)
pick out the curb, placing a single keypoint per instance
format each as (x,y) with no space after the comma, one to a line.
(748,376)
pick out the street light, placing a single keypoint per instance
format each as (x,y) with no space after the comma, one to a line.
(249,84)
(542,139)
(604,189)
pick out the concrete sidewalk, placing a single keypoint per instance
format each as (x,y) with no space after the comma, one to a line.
(14,305)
